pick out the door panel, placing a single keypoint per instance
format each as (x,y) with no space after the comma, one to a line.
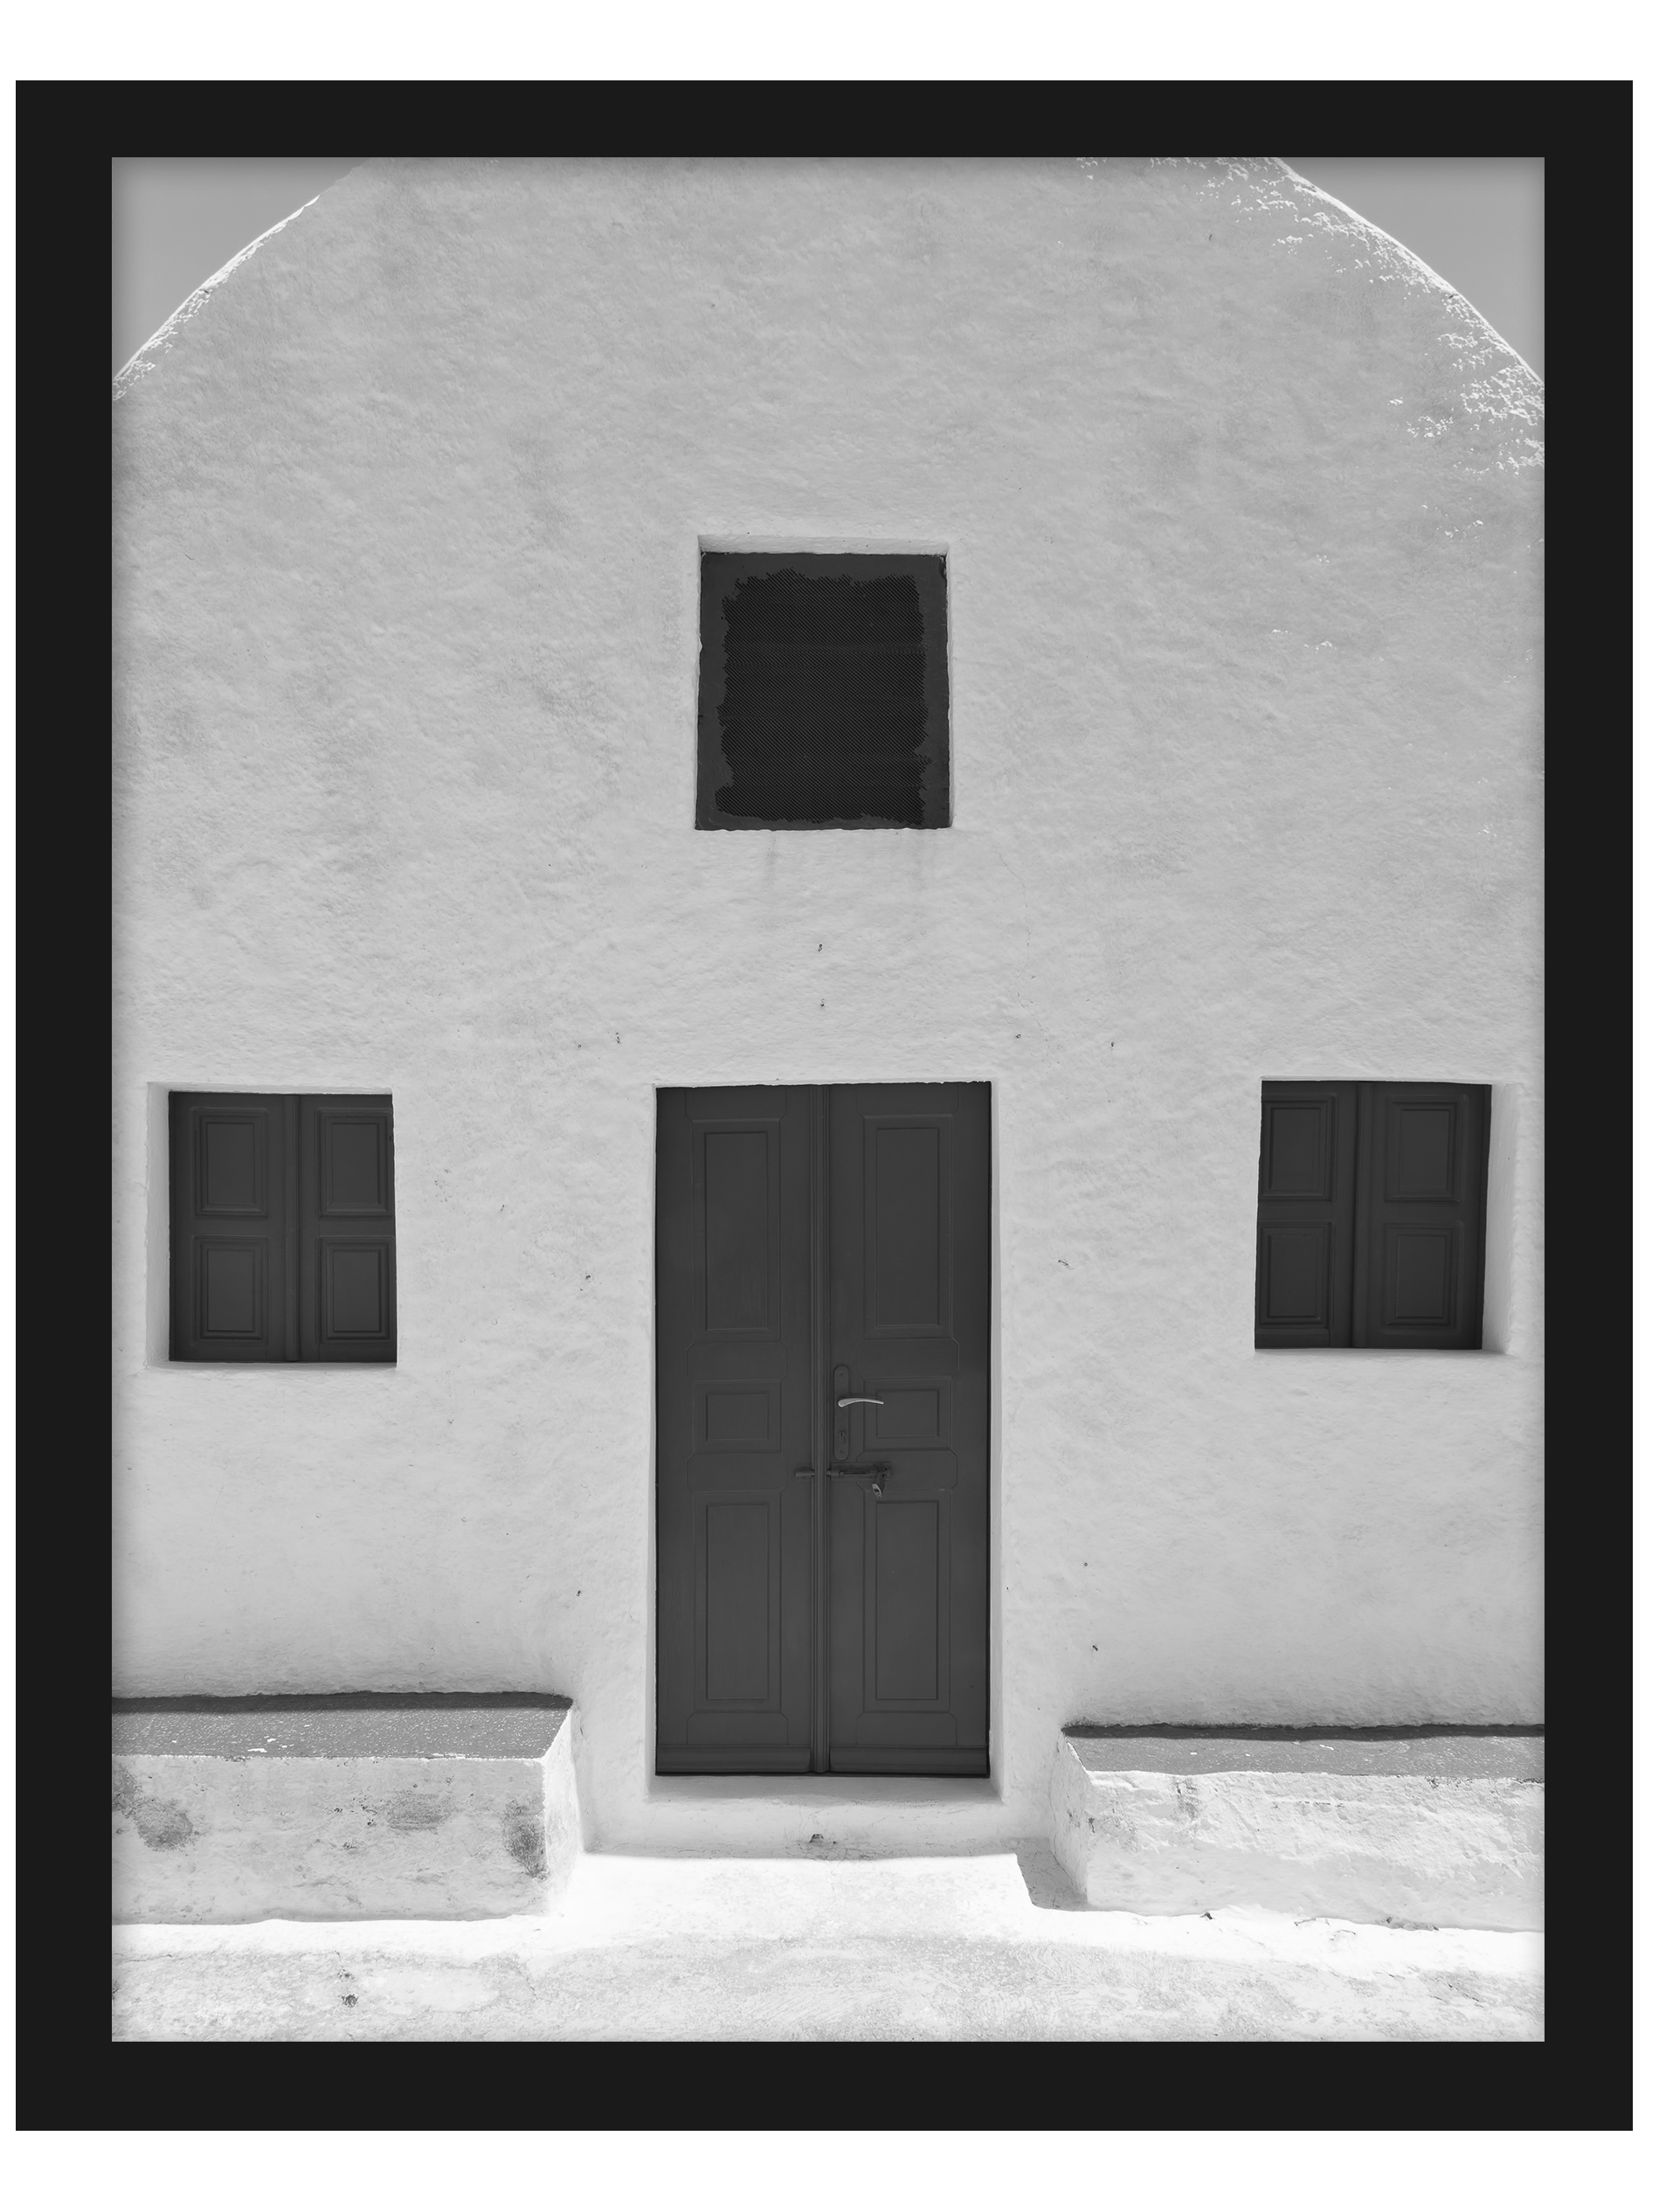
(908,1600)
(907,1225)
(738,1600)
(811,1244)
(734,1542)
(909,1314)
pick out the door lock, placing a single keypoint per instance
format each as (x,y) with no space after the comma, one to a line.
(875,1475)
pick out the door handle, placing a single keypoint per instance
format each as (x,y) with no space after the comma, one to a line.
(875,1475)
(841,1383)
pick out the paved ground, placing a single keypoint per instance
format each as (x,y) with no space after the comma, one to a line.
(709,1949)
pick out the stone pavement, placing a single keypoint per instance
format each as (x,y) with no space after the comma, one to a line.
(993,1947)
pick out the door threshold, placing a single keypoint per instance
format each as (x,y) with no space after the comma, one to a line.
(743,1816)
(824,1789)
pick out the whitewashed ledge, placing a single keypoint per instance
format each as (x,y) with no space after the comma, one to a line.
(1439,1827)
(360,1806)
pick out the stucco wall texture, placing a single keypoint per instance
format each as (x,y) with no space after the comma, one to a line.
(1242,513)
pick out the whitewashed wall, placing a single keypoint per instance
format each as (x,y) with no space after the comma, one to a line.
(1242,511)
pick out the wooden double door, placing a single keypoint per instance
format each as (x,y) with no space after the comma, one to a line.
(823,1429)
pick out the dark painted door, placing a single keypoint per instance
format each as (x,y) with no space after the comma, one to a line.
(822,1567)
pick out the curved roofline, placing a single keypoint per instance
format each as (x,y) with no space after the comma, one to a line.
(138,366)
(162,339)
(1433,274)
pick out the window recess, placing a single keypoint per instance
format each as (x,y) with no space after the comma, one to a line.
(822,692)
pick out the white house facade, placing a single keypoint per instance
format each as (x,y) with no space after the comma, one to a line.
(1236,513)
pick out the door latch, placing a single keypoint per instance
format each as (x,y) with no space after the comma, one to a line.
(874,1475)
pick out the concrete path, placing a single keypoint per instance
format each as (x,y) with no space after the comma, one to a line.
(710,1950)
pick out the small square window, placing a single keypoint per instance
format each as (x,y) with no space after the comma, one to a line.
(284,1227)
(1371,1216)
(824,697)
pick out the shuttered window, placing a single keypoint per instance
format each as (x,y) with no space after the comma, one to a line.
(823,694)
(284,1227)
(1371,1215)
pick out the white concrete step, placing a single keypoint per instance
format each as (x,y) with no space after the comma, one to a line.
(353,1807)
(370,1807)
(612,1898)
(1439,1827)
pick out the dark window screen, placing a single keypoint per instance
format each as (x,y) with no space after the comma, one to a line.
(823,700)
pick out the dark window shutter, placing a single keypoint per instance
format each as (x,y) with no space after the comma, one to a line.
(230,1199)
(284,1227)
(1304,1215)
(1421,1215)
(1371,1215)
(348,1230)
